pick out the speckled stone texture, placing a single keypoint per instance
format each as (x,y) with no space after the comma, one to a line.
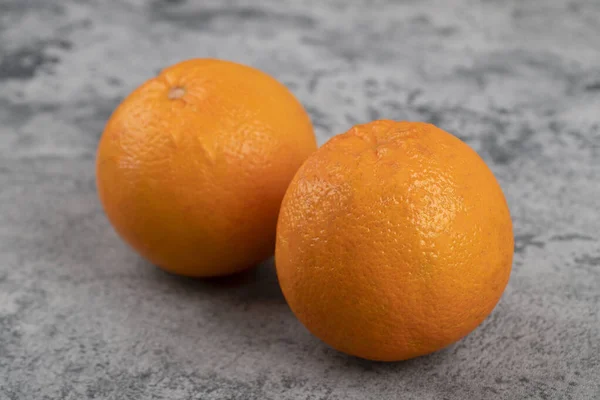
(83,317)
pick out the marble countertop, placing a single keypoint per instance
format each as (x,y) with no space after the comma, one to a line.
(83,317)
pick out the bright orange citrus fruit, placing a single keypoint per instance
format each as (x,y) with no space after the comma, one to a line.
(192,166)
(394,240)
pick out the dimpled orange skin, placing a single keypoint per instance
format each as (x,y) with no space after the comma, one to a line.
(394,240)
(192,166)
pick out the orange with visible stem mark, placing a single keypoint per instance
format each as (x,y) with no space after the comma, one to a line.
(192,166)
(394,240)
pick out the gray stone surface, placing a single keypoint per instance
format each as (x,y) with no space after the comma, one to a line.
(83,317)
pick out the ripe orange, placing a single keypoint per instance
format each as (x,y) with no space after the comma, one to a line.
(192,166)
(393,241)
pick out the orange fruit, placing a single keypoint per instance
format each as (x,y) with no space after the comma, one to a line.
(192,166)
(394,240)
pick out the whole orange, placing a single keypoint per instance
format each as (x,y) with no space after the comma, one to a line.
(394,240)
(192,166)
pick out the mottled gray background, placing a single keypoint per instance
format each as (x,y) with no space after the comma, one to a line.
(83,317)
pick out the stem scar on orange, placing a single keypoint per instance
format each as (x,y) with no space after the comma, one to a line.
(192,166)
(394,240)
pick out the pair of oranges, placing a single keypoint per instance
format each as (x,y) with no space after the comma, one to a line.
(391,241)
